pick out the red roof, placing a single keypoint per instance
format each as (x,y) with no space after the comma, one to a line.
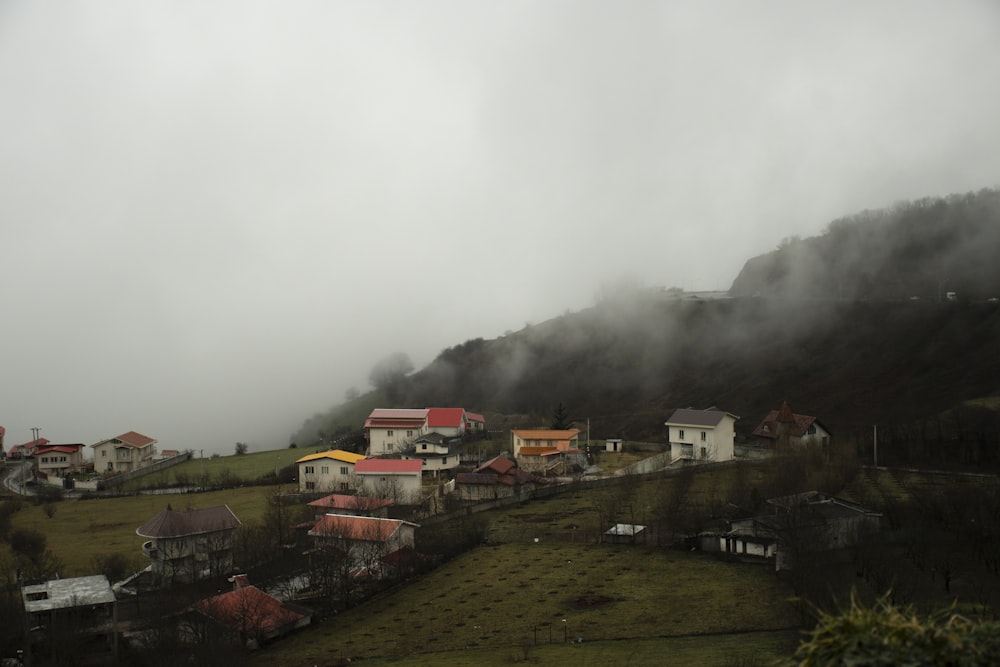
(63,449)
(31,444)
(130,439)
(499,465)
(445,417)
(473,417)
(340,501)
(355,528)
(398,466)
(249,610)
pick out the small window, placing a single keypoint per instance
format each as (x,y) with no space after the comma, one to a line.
(104,452)
(344,486)
(423,446)
(389,433)
(680,433)
(325,470)
(310,470)
(703,436)
(444,460)
(310,486)
(409,434)
(704,452)
(343,470)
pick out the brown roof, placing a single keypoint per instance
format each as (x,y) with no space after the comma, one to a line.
(171,523)
(798,424)
(546,433)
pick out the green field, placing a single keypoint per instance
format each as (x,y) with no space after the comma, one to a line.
(208,471)
(81,530)
(495,604)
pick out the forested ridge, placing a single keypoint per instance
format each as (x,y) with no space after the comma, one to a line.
(840,343)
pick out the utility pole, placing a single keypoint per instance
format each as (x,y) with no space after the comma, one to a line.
(875,441)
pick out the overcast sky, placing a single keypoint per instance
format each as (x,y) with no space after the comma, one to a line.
(215,217)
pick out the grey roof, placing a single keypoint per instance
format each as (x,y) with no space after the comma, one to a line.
(67,593)
(691,417)
(171,523)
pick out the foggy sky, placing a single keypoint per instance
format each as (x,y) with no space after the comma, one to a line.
(215,217)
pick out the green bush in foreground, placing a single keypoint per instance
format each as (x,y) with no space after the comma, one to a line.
(888,635)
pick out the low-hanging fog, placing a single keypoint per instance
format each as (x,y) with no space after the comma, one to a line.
(216,217)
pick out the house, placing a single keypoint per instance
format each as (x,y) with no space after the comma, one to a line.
(613,445)
(338,503)
(701,435)
(544,438)
(249,615)
(124,453)
(332,470)
(434,449)
(26,450)
(81,606)
(389,431)
(58,460)
(364,541)
(397,480)
(393,431)
(548,451)
(497,478)
(782,430)
(475,425)
(798,524)
(190,545)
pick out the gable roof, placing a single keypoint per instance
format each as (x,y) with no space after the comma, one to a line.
(130,439)
(31,444)
(357,528)
(335,454)
(798,425)
(339,501)
(171,523)
(391,466)
(62,449)
(703,418)
(474,417)
(395,418)
(445,417)
(248,609)
(498,464)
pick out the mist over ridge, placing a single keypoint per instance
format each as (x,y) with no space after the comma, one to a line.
(833,334)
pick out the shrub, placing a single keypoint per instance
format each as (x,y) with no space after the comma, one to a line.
(884,634)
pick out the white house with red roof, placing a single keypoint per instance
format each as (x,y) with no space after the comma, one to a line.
(393,431)
(389,431)
(397,480)
(365,540)
(124,453)
(26,450)
(58,460)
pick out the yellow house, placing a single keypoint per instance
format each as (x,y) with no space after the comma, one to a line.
(328,471)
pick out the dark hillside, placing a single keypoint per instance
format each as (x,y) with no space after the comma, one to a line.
(924,248)
(839,337)
(627,366)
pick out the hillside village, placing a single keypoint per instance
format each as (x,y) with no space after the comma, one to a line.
(363,514)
